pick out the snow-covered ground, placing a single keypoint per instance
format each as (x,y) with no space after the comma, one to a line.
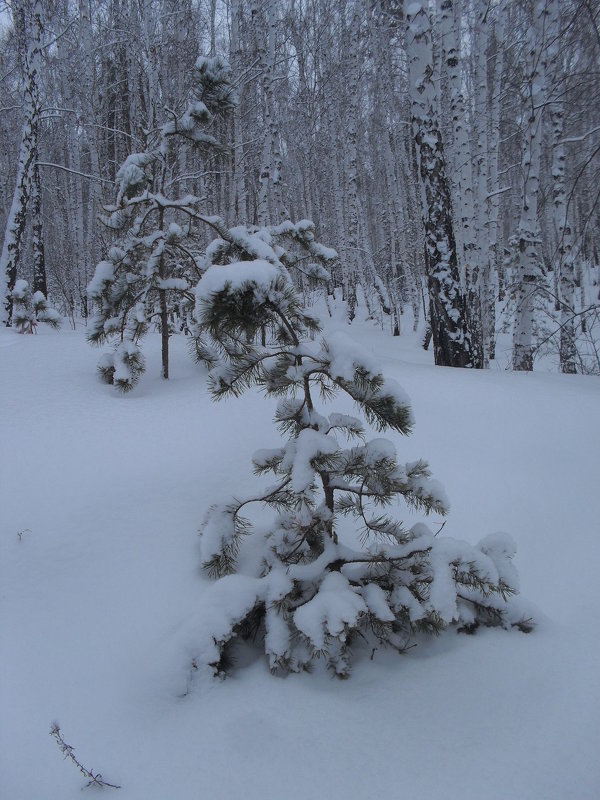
(100,501)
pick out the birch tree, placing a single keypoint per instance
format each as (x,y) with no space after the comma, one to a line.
(529,271)
(31,21)
(475,281)
(238,196)
(271,207)
(564,257)
(493,200)
(351,166)
(451,339)
(469,255)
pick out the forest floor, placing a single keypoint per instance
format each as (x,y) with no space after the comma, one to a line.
(101,497)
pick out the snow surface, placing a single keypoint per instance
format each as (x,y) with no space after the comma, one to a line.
(101,498)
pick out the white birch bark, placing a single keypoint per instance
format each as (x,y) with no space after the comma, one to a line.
(83,277)
(91,250)
(468,244)
(338,201)
(31,12)
(352,220)
(238,210)
(461,146)
(529,270)
(493,204)
(394,235)
(37,243)
(451,341)
(477,273)
(361,268)
(564,265)
(415,238)
(397,232)
(270,196)
(150,62)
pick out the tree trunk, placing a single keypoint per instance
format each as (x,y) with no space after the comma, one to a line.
(493,253)
(94,193)
(238,211)
(164,312)
(270,202)
(451,339)
(351,168)
(39,261)
(529,268)
(563,262)
(30,11)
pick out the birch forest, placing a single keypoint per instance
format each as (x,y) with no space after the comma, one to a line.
(448,151)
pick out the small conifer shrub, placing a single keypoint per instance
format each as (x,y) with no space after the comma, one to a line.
(309,585)
(148,275)
(31,308)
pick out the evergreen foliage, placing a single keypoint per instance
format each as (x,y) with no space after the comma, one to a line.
(284,249)
(310,585)
(148,276)
(30,308)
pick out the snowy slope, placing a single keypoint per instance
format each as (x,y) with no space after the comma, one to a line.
(99,590)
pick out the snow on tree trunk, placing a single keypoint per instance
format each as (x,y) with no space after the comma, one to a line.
(461,146)
(390,226)
(39,260)
(476,279)
(351,168)
(416,235)
(397,232)
(238,195)
(31,12)
(78,210)
(162,298)
(470,259)
(94,198)
(338,200)
(529,271)
(358,252)
(563,262)
(451,339)
(270,197)
(491,269)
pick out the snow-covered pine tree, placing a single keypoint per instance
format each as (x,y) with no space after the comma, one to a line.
(30,308)
(297,585)
(149,274)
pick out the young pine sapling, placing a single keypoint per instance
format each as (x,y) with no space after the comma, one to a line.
(307,586)
(30,309)
(148,276)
